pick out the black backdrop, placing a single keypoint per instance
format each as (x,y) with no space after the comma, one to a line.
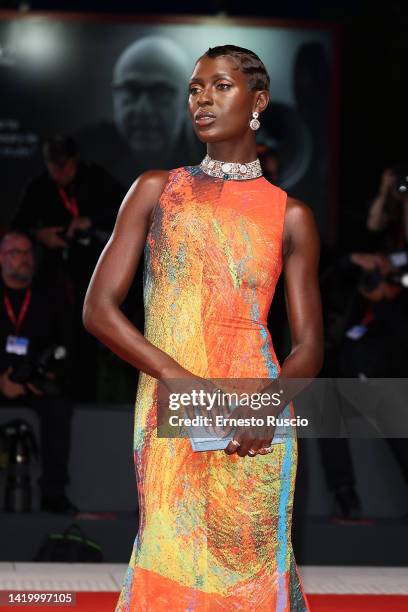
(57,75)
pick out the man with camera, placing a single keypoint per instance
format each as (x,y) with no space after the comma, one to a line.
(387,218)
(382,283)
(70,209)
(34,336)
(368,333)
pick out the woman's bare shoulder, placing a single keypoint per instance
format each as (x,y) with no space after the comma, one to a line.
(300,224)
(143,195)
(297,208)
(151,183)
(298,212)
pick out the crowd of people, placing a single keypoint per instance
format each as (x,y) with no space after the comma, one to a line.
(69,211)
(365,307)
(47,256)
(365,302)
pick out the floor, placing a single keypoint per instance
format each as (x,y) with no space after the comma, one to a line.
(108,577)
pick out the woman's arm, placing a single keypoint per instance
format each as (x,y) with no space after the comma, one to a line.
(302,293)
(113,276)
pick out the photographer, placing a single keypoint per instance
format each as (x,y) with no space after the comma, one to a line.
(367,338)
(71,209)
(387,219)
(32,322)
(376,342)
(382,282)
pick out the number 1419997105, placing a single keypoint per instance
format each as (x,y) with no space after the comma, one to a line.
(37,598)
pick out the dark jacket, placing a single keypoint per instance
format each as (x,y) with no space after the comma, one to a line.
(98,196)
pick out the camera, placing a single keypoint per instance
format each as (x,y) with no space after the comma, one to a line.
(82,237)
(401,179)
(35,369)
(370,280)
(87,237)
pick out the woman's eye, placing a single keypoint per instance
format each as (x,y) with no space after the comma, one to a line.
(224,85)
(193,90)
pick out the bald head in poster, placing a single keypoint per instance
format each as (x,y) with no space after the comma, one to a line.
(150,94)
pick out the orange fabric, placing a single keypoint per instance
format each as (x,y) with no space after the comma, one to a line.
(214,529)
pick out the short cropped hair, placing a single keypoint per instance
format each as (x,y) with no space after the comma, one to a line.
(248,63)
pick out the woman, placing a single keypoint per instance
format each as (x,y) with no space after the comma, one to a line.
(214,526)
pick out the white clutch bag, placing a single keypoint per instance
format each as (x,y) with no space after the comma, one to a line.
(209,444)
(202,440)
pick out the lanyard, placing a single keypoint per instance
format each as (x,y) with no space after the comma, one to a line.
(23,310)
(368,317)
(70,203)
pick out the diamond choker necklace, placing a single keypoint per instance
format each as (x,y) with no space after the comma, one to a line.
(231,170)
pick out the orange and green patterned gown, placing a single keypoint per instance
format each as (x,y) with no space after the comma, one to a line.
(214,532)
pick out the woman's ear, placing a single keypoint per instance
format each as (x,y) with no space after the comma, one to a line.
(262,101)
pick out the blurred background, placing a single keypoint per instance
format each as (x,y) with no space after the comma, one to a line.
(93,94)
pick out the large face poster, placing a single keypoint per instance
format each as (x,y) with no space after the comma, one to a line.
(121,90)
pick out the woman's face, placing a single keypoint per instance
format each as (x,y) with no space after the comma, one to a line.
(220,102)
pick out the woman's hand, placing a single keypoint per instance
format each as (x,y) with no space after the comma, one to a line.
(254,439)
(191,395)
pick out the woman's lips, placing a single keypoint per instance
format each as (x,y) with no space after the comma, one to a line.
(205,120)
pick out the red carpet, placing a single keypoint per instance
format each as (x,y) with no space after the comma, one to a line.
(105,602)
(358,603)
(92,602)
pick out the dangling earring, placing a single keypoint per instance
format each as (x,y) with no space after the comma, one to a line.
(254,123)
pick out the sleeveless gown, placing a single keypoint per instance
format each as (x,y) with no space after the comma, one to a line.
(215,529)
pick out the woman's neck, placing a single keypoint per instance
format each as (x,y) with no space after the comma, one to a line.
(240,152)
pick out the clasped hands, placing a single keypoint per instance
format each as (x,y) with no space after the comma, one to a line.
(250,437)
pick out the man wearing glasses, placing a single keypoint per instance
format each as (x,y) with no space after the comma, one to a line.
(33,324)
